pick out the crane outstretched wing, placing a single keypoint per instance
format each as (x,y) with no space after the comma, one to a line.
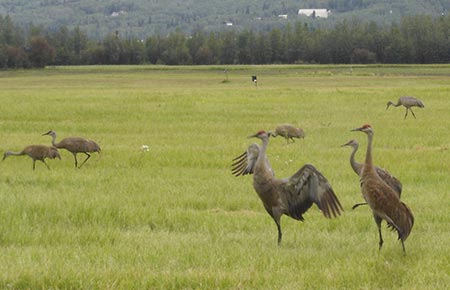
(245,163)
(309,186)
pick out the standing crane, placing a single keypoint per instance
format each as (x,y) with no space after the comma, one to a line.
(407,102)
(382,199)
(393,182)
(75,145)
(288,131)
(36,152)
(291,196)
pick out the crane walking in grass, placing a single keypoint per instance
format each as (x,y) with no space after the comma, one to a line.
(291,196)
(36,152)
(382,199)
(75,145)
(357,167)
(407,102)
(288,131)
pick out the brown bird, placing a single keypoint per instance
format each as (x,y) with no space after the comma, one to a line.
(75,145)
(382,199)
(393,182)
(407,102)
(291,196)
(36,152)
(288,131)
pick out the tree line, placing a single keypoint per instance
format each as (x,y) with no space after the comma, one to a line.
(416,39)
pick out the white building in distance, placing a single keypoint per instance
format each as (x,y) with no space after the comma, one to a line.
(322,13)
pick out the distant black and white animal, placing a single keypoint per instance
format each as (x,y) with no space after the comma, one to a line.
(255,80)
(407,102)
(36,152)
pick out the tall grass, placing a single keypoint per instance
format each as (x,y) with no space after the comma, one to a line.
(174,217)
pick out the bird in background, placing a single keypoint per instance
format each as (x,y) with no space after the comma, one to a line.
(407,102)
(291,196)
(75,145)
(392,181)
(288,131)
(36,152)
(382,199)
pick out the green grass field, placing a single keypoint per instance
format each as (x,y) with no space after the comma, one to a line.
(175,218)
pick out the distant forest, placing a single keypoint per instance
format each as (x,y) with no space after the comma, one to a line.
(415,39)
(144,18)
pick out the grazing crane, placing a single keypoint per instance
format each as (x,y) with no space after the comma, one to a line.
(288,131)
(393,182)
(382,199)
(75,145)
(291,196)
(36,152)
(407,102)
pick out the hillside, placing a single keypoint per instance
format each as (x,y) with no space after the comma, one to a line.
(142,18)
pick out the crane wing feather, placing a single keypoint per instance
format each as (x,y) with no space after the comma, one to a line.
(308,186)
(244,164)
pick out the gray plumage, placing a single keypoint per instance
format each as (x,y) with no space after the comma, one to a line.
(291,196)
(357,167)
(75,145)
(288,131)
(407,102)
(382,199)
(36,152)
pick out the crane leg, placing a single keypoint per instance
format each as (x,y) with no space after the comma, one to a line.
(34,164)
(358,204)
(378,222)
(277,222)
(48,167)
(88,156)
(76,161)
(403,246)
(412,113)
(280,235)
(406,114)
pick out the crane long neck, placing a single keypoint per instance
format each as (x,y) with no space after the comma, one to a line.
(262,163)
(265,143)
(54,141)
(369,163)
(11,153)
(355,165)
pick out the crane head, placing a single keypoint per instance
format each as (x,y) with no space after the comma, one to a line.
(365,128)
(260,134)
(51,133)
(351,143)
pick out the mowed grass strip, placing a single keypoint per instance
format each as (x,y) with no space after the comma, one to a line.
(175,218)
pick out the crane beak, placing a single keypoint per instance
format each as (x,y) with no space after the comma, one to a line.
(357,129)
(252,136)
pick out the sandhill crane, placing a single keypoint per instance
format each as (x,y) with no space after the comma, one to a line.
(382,199)
(36,152)
(407,102)
(75,145)
(288,131)
(291,196)
(393,182)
